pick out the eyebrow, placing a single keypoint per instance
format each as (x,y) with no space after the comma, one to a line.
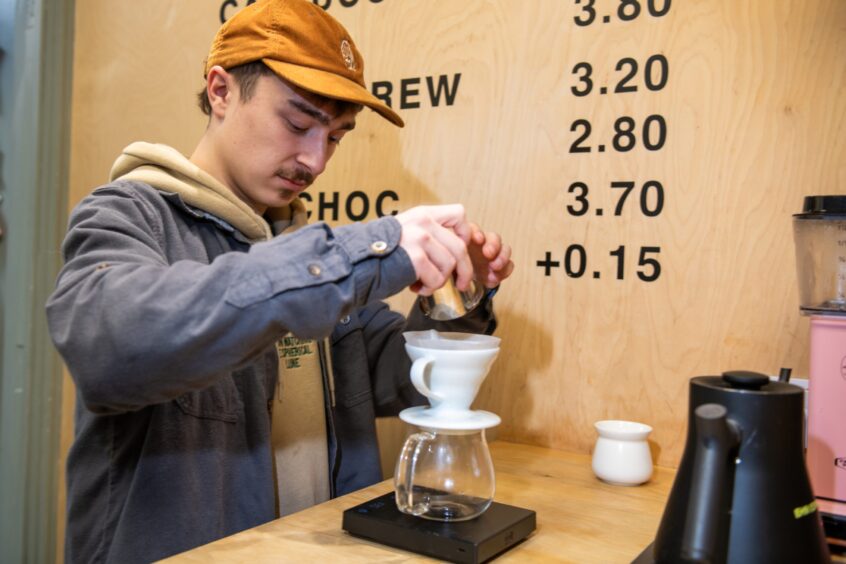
(322,117)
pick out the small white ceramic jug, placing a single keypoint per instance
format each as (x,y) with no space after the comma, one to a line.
(621,455)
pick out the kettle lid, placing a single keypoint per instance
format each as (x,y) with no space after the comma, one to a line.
(746,381)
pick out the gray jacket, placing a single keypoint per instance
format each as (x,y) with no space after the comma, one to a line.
(167,318)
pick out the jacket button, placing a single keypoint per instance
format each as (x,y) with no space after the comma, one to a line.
(379,247)
(314,270)
(345,320)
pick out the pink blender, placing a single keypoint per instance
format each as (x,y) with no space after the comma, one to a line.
(820,238)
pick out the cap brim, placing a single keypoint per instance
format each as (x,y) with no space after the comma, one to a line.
(332,85)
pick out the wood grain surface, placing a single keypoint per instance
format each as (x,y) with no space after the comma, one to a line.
(579,518)
(755,116)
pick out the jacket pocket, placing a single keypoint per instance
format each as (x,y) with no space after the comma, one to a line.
(220,401)
(352,381)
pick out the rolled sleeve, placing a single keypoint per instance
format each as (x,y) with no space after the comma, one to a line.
(317,255)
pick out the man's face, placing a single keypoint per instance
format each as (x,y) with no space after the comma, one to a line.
(276,144)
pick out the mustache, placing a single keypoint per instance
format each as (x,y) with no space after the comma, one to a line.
(298,174)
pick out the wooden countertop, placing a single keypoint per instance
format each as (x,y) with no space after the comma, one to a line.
(579,518)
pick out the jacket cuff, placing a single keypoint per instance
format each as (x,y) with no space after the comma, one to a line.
(382,267)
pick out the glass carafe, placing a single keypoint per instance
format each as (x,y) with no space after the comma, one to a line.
(445,475)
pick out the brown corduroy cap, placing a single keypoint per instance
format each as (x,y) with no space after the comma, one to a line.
(302,44)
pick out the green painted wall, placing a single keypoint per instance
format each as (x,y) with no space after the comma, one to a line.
(35,79)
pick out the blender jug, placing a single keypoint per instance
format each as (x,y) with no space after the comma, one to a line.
(820,239)
(820,236)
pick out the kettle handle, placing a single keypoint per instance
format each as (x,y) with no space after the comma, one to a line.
(713,476)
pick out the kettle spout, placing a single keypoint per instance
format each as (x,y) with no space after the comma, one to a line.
(706,529)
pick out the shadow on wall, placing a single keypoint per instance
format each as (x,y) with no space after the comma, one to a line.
(378,147)
(506,390)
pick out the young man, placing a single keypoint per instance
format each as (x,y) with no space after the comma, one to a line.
(229,359)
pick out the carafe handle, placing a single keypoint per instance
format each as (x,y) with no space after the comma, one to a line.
(418,377)
(717,439)
(404,474)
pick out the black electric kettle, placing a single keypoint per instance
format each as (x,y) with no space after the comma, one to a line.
(742,493)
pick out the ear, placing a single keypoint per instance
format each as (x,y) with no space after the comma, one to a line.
(221,90)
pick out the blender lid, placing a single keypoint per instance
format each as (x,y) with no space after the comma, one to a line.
(816,207)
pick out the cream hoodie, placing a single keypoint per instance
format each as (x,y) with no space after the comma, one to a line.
(167,169)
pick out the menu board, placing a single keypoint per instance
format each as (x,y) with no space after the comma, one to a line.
(642,157)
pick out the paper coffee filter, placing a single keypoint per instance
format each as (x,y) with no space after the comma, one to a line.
(449,340)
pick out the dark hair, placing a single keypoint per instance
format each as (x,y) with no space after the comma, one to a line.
(247,75)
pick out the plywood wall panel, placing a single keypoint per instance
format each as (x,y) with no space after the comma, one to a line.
(755,118)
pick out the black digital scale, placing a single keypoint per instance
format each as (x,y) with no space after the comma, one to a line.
(496,530)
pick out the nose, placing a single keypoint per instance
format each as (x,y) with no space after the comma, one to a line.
(314,153)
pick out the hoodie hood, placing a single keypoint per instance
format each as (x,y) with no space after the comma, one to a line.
(168,170)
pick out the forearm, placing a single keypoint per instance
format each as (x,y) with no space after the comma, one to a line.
(136,331)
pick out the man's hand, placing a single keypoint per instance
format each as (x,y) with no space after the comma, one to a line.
(436,239)
(491,258)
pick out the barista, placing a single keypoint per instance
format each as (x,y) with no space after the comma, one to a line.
(229,358)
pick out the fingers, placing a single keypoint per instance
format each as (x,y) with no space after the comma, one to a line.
(492,260)
(477,236)
(500,255)
(436,250)
(447,255)
(432,261)
(452,216)
(493,278)
(492,245)
(461,265)
(436,239)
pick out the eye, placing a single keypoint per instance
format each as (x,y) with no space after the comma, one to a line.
(295,127)
(335,138)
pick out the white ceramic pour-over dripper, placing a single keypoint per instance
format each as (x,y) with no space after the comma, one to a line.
(450,340)
(449,368)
